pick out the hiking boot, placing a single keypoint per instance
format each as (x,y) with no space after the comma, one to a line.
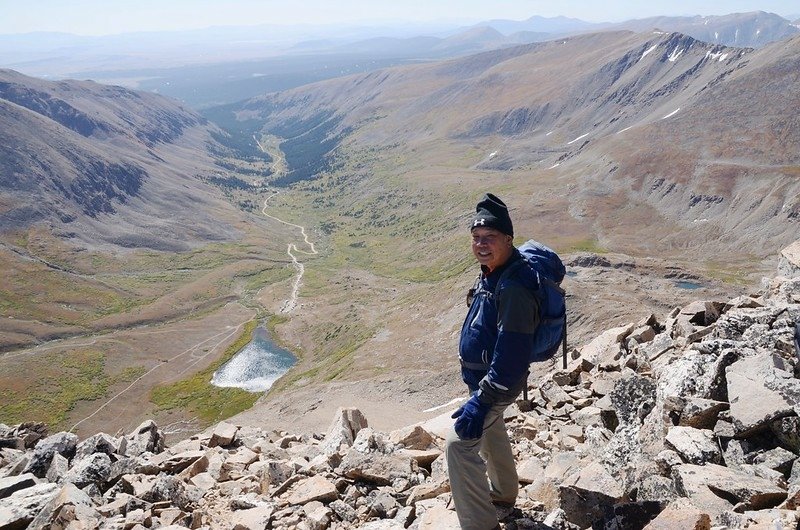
(503,510)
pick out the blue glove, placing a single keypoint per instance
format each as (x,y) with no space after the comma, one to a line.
(469,424)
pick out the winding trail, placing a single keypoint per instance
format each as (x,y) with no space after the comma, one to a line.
(290,304)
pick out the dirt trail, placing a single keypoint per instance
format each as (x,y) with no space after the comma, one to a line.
(291,249)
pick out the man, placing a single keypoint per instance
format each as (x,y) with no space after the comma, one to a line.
(495,340)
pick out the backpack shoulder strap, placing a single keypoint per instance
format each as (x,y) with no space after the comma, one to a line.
(505,275)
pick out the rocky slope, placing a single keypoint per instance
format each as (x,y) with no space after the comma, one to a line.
(684,421)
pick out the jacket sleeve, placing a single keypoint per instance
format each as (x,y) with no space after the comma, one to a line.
(517,320)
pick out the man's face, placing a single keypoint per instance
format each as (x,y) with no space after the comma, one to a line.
(491,247)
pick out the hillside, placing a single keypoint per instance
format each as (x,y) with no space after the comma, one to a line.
(76,152)
(590,116)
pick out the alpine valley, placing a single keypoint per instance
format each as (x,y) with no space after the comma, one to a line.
(142,241)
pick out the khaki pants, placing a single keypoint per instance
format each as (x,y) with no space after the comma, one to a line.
(469,462)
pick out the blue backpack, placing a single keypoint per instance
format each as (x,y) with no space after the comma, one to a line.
(549,271)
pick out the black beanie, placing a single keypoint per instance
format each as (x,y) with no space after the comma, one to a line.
(491,212)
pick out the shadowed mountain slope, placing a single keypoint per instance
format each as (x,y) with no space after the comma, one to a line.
(75,153)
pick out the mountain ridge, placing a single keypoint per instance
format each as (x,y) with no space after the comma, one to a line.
(621,85)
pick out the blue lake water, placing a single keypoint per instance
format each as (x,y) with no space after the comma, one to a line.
(683,284)
(257,366)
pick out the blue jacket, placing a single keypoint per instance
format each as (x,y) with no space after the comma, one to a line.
(497,335)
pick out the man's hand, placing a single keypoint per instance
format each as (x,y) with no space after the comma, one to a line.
(470,416)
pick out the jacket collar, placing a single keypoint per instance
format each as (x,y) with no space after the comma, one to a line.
(493,275)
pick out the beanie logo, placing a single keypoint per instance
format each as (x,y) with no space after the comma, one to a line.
(479,222)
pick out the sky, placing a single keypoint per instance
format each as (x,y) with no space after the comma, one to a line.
(105,17)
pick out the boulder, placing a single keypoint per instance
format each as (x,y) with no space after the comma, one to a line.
(428,490)
(98,443)
(422,458)
(376,468)
(413,437)
(62,443)
(315,488)
(175,463)
(94,469)
(147,438)
(760,390)
(70,507)
(18,509)
(256,518)
(607,346)
(657,347)
(438,518)
(8,485)
(696,412)
(628,515)
(343,430)
(223,435)
(787,432)
(391,524)
(586,497)
(716,489)
(789,262)
(553,394)
(682,516)
(166,488)
(59,466)
(695,446)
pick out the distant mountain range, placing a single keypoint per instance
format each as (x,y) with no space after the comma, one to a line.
(63,55)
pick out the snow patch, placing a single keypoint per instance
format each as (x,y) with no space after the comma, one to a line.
(623,130)
(578,138)
(449,404)
(555,165)
(677,52)
(671,114)
(716,35)
(492,154)
(700,220)
(648,51)
(718,56)
(548,134)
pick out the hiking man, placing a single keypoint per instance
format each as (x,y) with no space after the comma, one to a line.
(496,338)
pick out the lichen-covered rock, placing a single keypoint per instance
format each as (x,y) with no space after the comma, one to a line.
(696,446)
(62,443)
